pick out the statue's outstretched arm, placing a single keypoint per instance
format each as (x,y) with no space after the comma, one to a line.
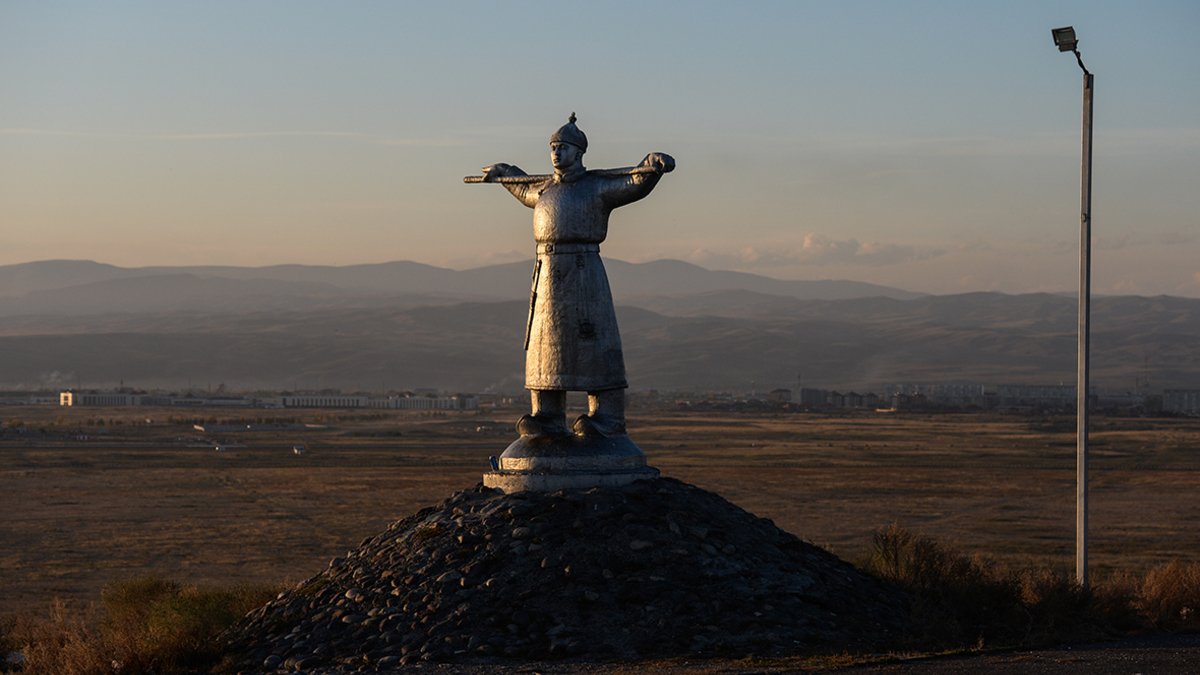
(630,185)
(493,174)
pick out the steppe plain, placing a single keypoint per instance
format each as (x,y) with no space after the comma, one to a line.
(157,497)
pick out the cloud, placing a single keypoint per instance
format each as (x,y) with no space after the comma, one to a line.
(819,249)
(489,258)
(977,246)
(1129,240)
(1189,288)
(43,132)
(1125,287)
(1172,238)
(176,137)
(423,142)
(1056,246)
(427,143)
(1139,141)
(1115,243)
(1117,142)
(253,134)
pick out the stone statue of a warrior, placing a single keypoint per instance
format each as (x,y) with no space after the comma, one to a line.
(572,342)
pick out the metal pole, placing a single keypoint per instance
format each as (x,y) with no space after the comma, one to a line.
(1081,387)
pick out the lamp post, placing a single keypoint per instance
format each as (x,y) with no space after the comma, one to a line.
(1065,39)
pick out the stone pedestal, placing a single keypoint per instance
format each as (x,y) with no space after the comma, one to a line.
(561,461)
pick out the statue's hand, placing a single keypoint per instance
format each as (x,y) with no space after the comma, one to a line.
(491,173)
(660,162)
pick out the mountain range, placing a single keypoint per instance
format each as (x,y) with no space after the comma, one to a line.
(405,325)
(86,287)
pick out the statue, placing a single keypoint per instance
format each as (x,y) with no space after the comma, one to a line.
(571,340)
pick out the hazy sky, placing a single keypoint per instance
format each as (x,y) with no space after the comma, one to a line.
(932,146)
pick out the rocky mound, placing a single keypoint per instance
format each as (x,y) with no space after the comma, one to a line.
(656,568)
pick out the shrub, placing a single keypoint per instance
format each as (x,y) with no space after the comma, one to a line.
(63,644)
(961,601)
(1116,597)
(1169,596)
(957,601)
(149,624)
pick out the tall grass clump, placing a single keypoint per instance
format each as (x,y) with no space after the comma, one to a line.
(147,624)
(1169,596)
(60,642)
(963,602)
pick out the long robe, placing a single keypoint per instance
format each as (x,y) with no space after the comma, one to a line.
(573,343)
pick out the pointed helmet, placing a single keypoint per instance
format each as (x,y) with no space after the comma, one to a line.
(569,133)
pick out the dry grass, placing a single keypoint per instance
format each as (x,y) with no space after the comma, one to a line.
(150,499)
(959,603)
(136,501)
(148,624)
(962,601)
(64,637)
(1169,595)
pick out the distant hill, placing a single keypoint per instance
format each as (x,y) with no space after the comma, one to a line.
(86,287)
(716,340)
(60,274)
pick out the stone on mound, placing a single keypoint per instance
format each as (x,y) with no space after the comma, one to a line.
(654,568)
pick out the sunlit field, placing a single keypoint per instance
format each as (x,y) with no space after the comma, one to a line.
(137,497)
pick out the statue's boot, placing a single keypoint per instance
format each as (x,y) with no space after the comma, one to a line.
(606,415)
(541,425)
(598,426)
(549,414)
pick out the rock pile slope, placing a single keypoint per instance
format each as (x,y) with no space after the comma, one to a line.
(656,568)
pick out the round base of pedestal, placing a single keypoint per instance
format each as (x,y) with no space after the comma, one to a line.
(561,461)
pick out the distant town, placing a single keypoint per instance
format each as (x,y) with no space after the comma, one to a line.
(892,397)
(322,399)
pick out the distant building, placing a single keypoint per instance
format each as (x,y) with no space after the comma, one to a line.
(458,402)
(322,401)
(1015,396)
(429,402)
(943,396)
(105,398)
(985,397)
(116,398)
(780,396)
(823,398)
(961,395)
(1182,401)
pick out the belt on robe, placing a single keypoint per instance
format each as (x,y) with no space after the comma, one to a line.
(568,248)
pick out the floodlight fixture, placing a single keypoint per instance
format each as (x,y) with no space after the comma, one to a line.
(1065,38)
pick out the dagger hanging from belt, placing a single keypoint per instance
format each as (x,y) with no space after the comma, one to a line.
(537,272)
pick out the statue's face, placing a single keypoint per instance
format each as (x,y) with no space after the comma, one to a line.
(564,155)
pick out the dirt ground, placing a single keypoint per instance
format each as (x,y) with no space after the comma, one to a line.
(1160,654)
(92,495)
(1149,655)
(136,497)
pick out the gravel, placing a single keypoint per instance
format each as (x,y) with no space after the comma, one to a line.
(658,568)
